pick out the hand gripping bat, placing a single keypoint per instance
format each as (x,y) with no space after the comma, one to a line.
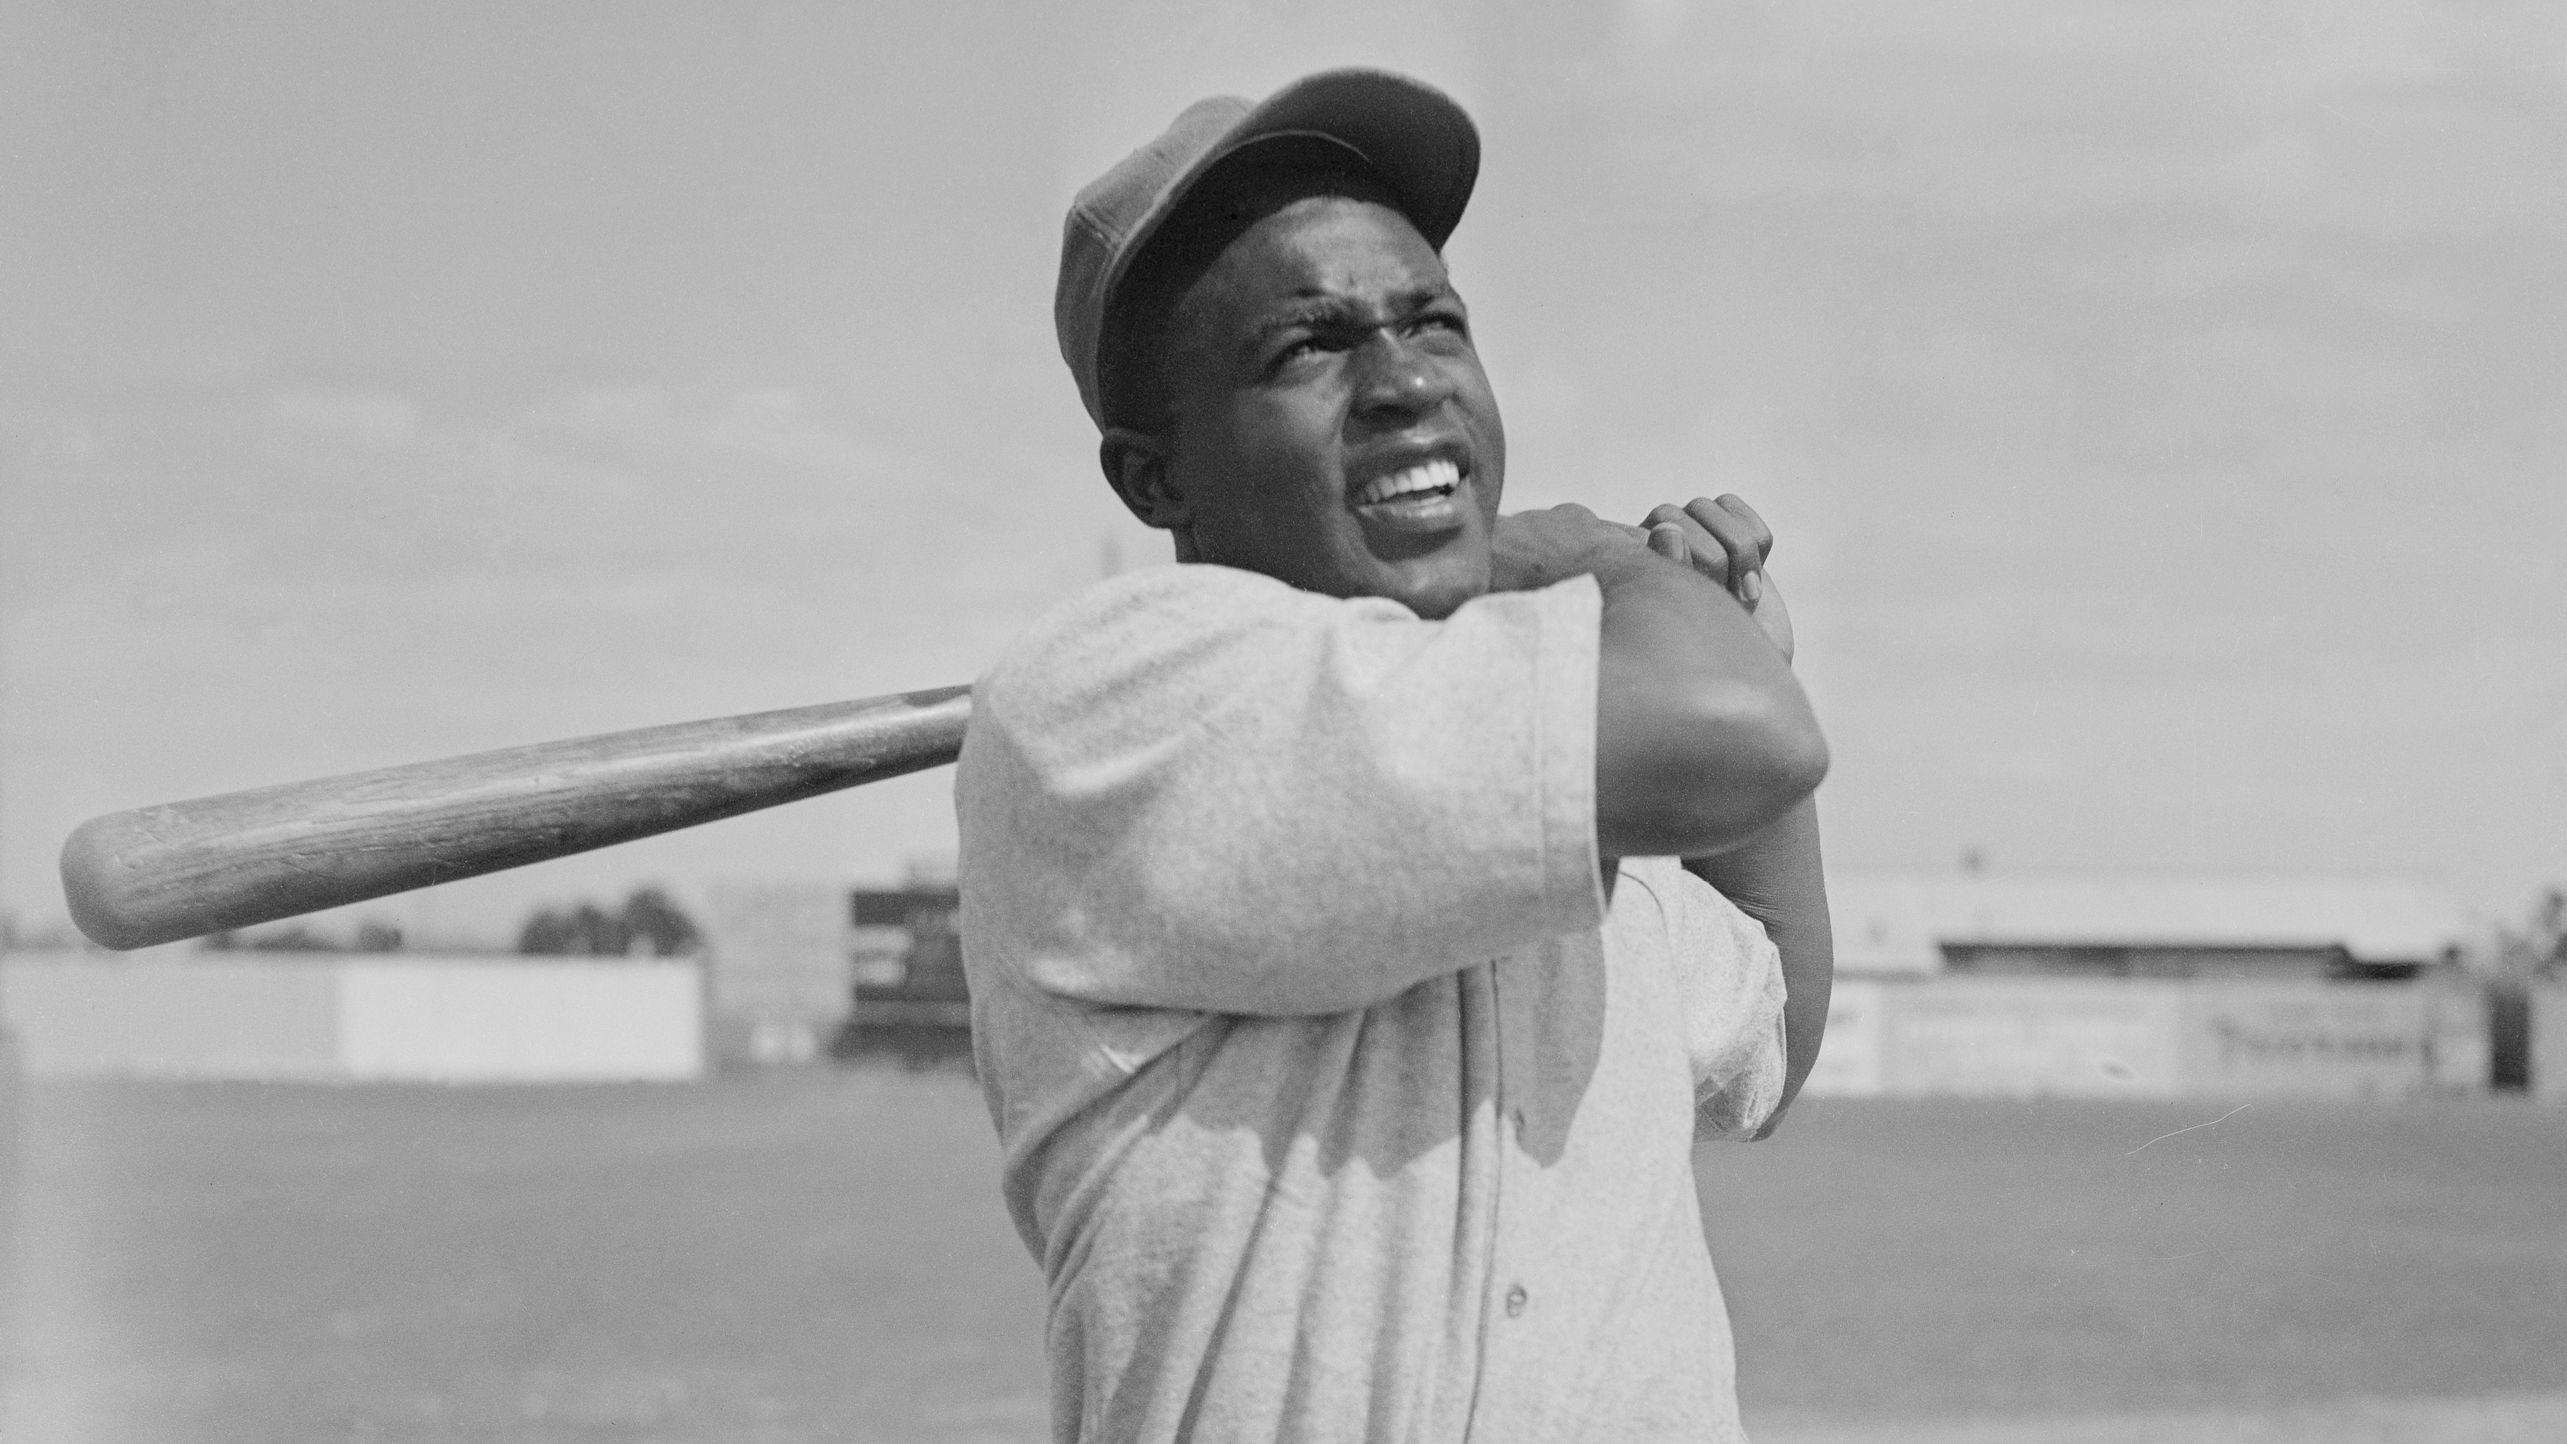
(157,874)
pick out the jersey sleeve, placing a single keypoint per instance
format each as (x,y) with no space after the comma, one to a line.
(1199,788)
(1730,977)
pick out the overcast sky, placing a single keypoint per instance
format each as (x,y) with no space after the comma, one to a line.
(2163,408)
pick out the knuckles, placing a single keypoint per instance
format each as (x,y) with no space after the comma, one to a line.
(1536,548)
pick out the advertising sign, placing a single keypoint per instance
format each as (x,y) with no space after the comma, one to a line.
(2026,1037)
(2307,1040)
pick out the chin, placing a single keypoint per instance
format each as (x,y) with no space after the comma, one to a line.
(1437,594)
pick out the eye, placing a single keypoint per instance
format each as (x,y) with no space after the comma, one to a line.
(1300,347)
(1448,322)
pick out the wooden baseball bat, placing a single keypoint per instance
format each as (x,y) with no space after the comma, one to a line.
(158,874)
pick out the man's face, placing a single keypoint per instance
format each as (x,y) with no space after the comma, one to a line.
(1331,426)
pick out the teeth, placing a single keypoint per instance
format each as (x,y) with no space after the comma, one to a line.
(1424,477)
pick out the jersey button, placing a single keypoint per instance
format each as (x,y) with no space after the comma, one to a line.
(1515,1300)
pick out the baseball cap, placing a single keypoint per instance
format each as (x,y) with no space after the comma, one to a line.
(1414,138)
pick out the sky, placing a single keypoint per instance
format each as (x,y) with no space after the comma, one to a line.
(2162,408)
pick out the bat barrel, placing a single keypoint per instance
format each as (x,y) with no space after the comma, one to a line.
(158,874)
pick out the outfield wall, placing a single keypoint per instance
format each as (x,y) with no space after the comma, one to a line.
(2118,1038)
(177,1013)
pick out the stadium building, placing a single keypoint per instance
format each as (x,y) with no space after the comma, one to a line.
(1908,927)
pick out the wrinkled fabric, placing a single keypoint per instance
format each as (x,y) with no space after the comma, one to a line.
(1337,1101)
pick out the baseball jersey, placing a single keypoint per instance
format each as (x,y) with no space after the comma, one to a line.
(1340,1098)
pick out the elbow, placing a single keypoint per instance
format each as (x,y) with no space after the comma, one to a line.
(1773,1122)
(1741,757)
(1779,754)
(1759,756)
(1800,756)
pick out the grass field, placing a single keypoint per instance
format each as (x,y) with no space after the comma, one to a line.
(821,1255)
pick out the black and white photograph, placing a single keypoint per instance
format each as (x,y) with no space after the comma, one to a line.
(1134,722)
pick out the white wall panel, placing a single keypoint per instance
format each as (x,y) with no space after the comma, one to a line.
(520,1020)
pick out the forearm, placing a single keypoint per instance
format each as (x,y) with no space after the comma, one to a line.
(1775,878)
(1703,737)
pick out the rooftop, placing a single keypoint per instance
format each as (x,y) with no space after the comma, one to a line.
(1891,924)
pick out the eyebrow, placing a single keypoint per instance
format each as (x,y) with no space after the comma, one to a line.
(1344,311)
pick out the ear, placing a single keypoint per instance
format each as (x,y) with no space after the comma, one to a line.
(1136,466)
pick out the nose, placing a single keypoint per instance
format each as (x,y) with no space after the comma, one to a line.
(1397,380)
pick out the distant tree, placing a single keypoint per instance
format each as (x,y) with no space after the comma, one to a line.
(546,934)
(374,936)
(648,921)
(2514,963)
(295,938)
(650,916)
(598,933)
(2539,949)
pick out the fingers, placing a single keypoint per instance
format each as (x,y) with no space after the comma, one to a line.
(1536,548)
(1733,508)
(1722,539)
(1686,541)
(1743,537)
(1727,540)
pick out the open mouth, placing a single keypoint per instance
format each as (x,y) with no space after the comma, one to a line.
(1427,486)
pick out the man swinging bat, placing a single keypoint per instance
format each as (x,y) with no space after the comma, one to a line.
(1365,916)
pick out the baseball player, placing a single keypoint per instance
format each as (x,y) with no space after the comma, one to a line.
(1366,915)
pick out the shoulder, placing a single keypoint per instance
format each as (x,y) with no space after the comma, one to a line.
(1142,632)
(1118,665)
(1180,595)
(1151,610)
(1131,664)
